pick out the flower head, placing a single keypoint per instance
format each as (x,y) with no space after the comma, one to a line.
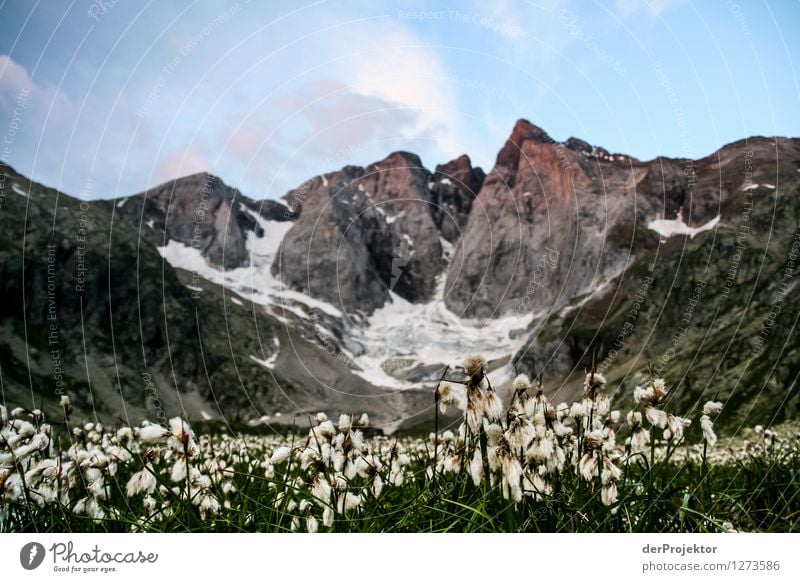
(712,408)
(475,366)
(708,430)
(141,481)
(521,383)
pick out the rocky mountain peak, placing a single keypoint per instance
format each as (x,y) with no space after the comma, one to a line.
(454,187)
(399,159)
(524,130)
(200,211)
(363,233)
(509,156)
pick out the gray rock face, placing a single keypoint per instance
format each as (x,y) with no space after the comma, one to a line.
(200,211)
(455,186)
(361,233)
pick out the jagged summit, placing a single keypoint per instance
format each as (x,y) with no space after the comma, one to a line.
(524,131)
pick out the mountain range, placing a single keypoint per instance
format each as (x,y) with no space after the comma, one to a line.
(354,290)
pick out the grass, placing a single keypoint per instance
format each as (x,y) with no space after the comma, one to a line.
(759,493)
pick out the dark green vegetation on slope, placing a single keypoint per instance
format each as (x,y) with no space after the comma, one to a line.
(717,313)
(128,340)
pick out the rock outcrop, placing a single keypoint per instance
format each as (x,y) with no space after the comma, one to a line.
(363,232)
(454,187)
(203,212)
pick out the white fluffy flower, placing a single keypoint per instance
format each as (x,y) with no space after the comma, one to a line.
(676,425)
(474,366)
(327,517)
(588,466)
(512,475)
(280,455)
(608,494)
(634,419)
(708,430)
(348,502)
(712,408)
(178,472)
(576,411)
(141,481)
(152,432)
(492,406)
(610,471)
(639,439)
(321,489)
(474,410)
(520,433)
(521,383)
(312,525)
(594,379)
(377,486)
(476,467)
(656,417)
(445,396)
(603,405)
(89,507)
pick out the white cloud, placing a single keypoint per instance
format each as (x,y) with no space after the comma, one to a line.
(398,67)
(387,91)
(17,86)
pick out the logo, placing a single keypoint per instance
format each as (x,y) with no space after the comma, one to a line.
(31,555)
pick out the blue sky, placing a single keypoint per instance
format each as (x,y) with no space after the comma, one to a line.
(105,98)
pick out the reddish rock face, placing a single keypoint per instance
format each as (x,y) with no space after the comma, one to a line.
(586,206)
(511,153)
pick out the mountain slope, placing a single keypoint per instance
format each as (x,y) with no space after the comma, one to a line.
(715,313)
(95,312)
(354,291)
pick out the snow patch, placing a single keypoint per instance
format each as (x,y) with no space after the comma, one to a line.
(122,202)
(254,282)
(261,420)
(18,190)
(269,363)
(236,301)
(431,334)
(205,415)
(754,186)
(667,228)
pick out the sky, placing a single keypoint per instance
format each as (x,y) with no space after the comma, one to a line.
(105,98)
